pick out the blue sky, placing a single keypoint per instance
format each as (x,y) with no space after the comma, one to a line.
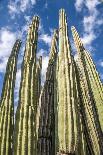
(15,16)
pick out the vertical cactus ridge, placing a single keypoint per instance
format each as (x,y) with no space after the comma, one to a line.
(38,77)
(96,86)
(7,103)
(67,99)
(81,146)
(46,120)
(25,115)
(53,50)
(94,74)
(38,88)
(88,73)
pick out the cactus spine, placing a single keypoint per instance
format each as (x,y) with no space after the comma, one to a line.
(7,103)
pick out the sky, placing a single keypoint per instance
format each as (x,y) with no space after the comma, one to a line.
(16,15)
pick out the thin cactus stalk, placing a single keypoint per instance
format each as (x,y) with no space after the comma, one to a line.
(7,103)
(25,116)
(89,102)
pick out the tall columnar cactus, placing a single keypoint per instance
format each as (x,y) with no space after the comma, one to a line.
(67,120)
(7,103)
(46,144)
(25,115)
(92,96)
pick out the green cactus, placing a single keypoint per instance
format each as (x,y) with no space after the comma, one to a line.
(96,85)
(45,131)
(86,72)
(7,103)
(26,111)
(67,119)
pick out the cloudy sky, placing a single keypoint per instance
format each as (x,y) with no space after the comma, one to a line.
(16,15)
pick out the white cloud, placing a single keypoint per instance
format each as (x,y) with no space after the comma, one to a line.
(88,39)
(41,29)
(100,63)
(23,31)
(45,59)
(99,22)
(88,22)
(15,107)
(12,8)
(46,39)
(17,86)
(91,4)
(91,21)
(18,78)
(33,2)
(101,75)
(7,39)
(23,5)
(79,4)
(3,63)
(17,6)
(27,18)
(51,30)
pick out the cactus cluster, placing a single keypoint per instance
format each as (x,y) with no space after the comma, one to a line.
(62,117)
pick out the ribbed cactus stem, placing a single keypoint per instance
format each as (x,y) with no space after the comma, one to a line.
(7,103)
(89,102)
(30,131)
(46,122)
(26,111)
(96,85)
(38,78)
(53,50)
(67,94)
(94,74)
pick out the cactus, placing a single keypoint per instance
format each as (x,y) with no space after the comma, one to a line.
(7,103)
(96,85)
(67,122)
(86,73)
(46,123)
(25,116)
